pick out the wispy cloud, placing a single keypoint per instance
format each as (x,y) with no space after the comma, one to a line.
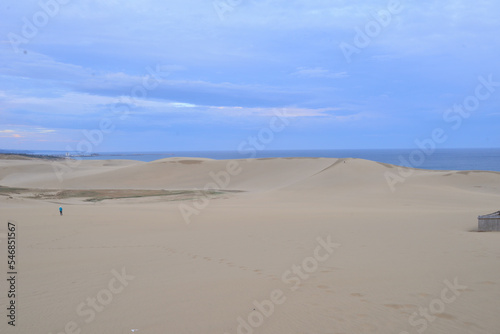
(22,131)
(318,72)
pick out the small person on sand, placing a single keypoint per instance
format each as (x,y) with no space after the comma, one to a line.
(60,210)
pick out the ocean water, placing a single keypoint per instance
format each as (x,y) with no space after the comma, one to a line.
(440,159)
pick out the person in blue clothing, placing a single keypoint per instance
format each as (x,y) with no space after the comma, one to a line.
(60,210)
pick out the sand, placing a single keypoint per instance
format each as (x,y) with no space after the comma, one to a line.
(183,245)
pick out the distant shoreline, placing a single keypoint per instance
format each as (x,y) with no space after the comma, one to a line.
(117,154)
(26,156)
(486,159)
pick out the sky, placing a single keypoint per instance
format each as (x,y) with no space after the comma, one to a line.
(177,75)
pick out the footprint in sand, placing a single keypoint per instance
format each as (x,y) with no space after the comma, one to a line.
(488,283)
(326,288)
(445,316)
(394,306)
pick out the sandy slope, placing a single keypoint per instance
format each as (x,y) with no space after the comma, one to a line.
(202,271)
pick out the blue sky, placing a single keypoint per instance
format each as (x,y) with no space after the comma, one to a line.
(207,75)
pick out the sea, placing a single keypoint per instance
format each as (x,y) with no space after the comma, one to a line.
(486,159)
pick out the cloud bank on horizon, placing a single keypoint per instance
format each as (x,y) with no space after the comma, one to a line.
(206,74)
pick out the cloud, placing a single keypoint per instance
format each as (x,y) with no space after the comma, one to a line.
(319,72)
(264,57)
(22,131)
(270,112)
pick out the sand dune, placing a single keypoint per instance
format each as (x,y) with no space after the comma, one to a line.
(171,173)
(249,175)
(223,262)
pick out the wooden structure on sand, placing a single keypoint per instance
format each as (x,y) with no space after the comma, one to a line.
(489,222)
